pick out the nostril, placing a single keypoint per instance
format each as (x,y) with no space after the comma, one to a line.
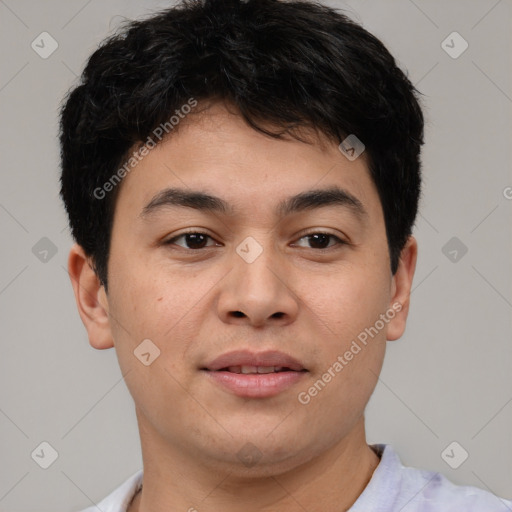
(238,314)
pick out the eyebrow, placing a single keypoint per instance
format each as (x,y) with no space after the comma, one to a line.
(308,200)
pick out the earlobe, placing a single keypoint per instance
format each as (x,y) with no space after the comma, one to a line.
(90,298)
(401,289)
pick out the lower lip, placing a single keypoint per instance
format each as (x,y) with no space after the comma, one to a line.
(256,385)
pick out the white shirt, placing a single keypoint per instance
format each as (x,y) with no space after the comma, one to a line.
(392,488)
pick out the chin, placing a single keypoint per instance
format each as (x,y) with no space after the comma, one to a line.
(257,455)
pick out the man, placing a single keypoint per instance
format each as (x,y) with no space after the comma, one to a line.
(241,180)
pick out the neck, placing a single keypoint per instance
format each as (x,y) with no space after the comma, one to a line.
(174,481)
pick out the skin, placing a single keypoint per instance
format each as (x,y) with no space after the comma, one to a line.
(313,456)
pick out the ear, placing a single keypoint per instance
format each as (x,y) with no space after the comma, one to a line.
(91,298)
(401,289)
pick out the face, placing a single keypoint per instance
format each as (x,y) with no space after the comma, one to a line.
(257,302)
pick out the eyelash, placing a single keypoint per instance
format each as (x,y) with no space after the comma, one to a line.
(338,240)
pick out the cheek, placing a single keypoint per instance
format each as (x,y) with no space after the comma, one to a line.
(336,399)
(146,298)
(353,341)
(155,305)
(144,309)
(347,302)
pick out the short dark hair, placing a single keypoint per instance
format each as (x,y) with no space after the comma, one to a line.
(287,64)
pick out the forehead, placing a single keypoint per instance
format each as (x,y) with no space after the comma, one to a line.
(216,153)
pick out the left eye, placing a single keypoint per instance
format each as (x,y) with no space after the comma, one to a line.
(322,240)
(192,240)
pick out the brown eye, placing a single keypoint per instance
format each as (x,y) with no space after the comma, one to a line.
(321,240)
(192,240)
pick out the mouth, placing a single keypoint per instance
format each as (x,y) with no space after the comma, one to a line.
(255,375)
(248,370)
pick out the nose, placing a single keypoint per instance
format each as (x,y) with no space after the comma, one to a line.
(258,292)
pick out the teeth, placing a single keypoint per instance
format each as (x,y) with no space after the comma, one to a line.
(255,369)
(249,369)
(266,369)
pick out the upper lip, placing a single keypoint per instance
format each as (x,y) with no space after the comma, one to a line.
(248,358)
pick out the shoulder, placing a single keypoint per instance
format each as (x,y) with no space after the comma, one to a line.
(394,486)
(119,498)
(429,491)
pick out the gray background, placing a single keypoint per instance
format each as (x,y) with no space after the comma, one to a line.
(449,377)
